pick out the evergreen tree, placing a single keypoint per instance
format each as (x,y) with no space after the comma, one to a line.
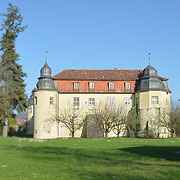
(12,86)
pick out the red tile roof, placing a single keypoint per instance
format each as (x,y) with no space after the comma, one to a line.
(103,75)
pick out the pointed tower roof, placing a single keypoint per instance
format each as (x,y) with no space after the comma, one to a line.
(150,80)
(45,80)
(45,71)
(150,71)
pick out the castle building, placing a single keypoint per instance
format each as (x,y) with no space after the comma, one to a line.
(84,89)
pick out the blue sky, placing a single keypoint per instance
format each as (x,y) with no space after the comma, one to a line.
(99,34)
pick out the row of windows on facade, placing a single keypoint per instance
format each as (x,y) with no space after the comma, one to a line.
(51,100)
(92,85)
(110,101)
(154,100)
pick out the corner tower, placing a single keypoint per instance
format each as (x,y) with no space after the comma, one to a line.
(30,117)
(153,99)
(45,105)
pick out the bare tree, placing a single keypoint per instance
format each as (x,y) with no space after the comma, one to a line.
(177,123)
(174,121)
(109,117)
(103,117)
(71,118)
(159,121)
(119,120)
(165,119)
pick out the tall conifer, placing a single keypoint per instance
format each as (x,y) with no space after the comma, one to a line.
(12,86)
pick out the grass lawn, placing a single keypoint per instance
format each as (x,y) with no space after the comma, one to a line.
(85,159)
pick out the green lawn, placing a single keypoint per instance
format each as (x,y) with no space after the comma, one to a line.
(85,159)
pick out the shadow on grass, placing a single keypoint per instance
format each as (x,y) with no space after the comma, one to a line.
(170,153)
(77,163)
(84,163)
(114,157)
(118,175)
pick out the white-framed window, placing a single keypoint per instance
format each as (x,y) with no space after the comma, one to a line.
(76,101)
(111,85)
(91,85)
(154,99)
(127,86)
(127,101)
(91,101)
(76,85)
(51,100)
(110,101)
(35,100)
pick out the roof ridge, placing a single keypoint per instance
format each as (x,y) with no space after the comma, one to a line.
(103,70)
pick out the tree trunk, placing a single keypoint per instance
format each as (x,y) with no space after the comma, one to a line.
(172,134)
(73,129)
(5,128)
(106,133)
(118,134)
(72,134)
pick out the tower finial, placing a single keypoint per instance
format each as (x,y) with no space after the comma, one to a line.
(46,56)
(149,59)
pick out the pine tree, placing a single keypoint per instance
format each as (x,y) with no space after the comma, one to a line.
(12,87)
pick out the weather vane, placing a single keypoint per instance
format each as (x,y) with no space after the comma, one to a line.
(46,55)
(149,58)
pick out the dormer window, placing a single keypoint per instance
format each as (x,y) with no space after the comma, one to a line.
(111,85)
(91,85)
(76,85)
(127,86)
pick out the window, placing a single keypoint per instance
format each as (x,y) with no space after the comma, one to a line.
(91,101)
(127,101)
(111,85)
(91,85)
(155,99)
(127,86)
(51,100)
(76,101)
(35,100)
(110,101)
(76,85)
